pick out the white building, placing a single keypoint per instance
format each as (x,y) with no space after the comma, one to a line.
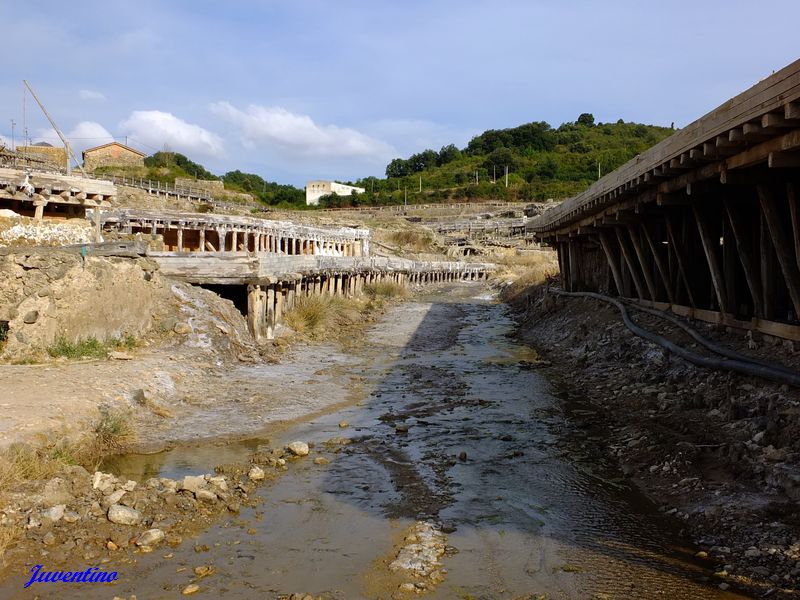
(317,189)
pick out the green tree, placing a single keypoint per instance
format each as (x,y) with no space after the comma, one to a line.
(586,119)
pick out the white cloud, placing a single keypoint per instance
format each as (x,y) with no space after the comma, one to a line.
(156,129)
(85,134)
(298,134)
(91,96)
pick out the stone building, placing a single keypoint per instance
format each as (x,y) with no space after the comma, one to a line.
(45,154)
(112,155)
(316,189)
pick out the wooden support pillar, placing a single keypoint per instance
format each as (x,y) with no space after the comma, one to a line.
(290,295)
(783,250)
(271,312)
(279,301)
(605,242)
(677,250)
(255,311)
(180,238)
(626,253)
(794,198)
(660,266)
(744,247)
(640,254)
(202,240)
(767,268)
(710,243)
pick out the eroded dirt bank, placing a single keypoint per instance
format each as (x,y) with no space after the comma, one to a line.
(717,451)
(453,472)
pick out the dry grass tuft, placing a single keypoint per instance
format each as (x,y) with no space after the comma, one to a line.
(26,462)
(385,290)
(519,273)
(8,536)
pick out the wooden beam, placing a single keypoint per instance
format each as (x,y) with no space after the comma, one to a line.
(642,256)
(767,267)
(677,249)
(775,120)
(710,245)
(605,242)
(626,253)
(744,248)
(660,266)
(783,160)
(794,216)
(787,261)
(791,110)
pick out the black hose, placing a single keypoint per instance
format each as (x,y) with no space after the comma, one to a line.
(695,335)
(746,366)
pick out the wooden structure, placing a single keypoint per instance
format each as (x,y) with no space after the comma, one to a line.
(39,194)
(273,283)
(705,222)
(203,232)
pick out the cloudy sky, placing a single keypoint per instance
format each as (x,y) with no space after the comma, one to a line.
(307,89)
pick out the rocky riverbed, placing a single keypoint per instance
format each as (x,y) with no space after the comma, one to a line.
(455,471)
(716,451)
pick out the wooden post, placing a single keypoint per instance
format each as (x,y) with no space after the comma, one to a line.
(792,197)
(640,254)
(255,311)
(271,312)
(710,245)
(605,242)
(637,282)
(660,266)
(202,240)
(677,249)
(786,255)
(743,249)
(180,238)
(767,268)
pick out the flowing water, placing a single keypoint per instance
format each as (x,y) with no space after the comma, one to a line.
(489,459)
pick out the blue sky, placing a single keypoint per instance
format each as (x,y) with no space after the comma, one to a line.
(310,89)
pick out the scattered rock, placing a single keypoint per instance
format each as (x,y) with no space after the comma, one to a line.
(190,589)
(151,537)
(298,448)
(192,483)
(321,460)
(119,356)
(401,428)
(123,515)
(204,570)
(55,513)
(205,495)
(256,474)
(31,317)
(344,424)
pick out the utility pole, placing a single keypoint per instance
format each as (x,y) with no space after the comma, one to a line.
(598,169)
(506,175)
(476,178)
(494,173)
(420,184)
(70,154)
(13,124)
(405,196)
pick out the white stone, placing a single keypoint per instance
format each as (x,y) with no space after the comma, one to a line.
(54,513)
(114,497)
(298,448)
(219,482)
(256,473)
(151,537)
(205,495)
(193,483)
(123,515)
(103,482)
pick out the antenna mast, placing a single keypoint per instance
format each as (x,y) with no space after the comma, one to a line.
(70,154)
